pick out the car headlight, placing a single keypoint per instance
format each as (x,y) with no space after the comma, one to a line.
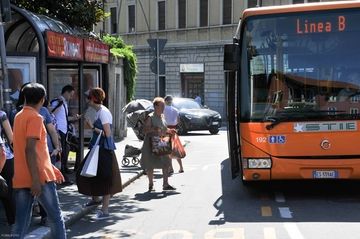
(192,116)
(218,116)
(256,163)
(189,116)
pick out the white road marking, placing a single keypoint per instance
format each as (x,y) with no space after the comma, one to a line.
(207,166)
(293,231)
(285,212)
(279,197)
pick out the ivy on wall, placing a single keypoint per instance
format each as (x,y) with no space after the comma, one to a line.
(119,49)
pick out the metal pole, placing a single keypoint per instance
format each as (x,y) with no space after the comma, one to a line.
(81,107)
(6,100)
(157,69)
(103,30)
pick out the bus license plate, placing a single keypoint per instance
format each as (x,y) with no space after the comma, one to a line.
(325,174)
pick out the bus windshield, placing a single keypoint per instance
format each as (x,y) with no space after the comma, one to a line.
(301,66)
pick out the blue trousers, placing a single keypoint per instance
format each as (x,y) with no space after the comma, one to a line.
(49,200)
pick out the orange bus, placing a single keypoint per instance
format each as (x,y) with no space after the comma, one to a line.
(293,92)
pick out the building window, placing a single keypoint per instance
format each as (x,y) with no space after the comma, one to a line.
(161,15)
(131,10)
(113,20)
(354,111)
(182,13)
(204,11)
(354,99)
(252,3)
(227,10)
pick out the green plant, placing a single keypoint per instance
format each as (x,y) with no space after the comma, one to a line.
(119,49)
(77,13)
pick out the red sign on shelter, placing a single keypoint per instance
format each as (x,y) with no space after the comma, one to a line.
(64,46)
(96,52)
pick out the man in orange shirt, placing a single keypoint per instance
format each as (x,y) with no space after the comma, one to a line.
(34,175)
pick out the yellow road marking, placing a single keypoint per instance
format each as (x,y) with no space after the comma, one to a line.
(269,233)
(266,211)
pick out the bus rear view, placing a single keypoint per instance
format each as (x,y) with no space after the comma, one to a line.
(293,92)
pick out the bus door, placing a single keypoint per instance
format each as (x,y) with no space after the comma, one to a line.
(230,67)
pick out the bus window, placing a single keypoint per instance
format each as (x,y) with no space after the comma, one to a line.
(286,56)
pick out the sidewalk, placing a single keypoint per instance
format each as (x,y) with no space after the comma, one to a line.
(71,202)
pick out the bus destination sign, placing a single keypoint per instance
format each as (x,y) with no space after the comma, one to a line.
(320,23)
(304,26)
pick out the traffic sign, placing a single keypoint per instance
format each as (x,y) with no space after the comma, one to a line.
(153,45)
(161,66)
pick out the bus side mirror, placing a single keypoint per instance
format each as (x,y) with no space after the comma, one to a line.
(231,57)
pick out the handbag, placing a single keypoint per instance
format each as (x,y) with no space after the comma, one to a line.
(92,160)
(160,145)
(3,187)
(106,158)
(178,150)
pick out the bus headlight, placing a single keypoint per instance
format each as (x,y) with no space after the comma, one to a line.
(258,163)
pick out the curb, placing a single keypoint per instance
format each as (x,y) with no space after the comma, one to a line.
(74,215)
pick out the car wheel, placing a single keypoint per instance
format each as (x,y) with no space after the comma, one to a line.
(181,128)
(214,131)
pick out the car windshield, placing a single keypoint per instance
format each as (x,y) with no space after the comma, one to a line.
(187,104)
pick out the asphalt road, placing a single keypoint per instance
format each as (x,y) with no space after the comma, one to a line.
(208,204)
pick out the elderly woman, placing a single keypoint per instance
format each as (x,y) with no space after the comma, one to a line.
(155,125)
(100,185)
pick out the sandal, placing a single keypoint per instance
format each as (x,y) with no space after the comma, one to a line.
(181,171)
(169,188)
(151,188)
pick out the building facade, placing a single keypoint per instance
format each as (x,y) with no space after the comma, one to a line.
(194,32)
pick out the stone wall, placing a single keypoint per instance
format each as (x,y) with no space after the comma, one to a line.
(117,97)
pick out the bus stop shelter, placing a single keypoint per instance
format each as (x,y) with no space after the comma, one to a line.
(48,51)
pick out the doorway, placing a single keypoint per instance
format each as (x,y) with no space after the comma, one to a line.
(192,84)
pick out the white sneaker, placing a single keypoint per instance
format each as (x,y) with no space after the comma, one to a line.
(101,216)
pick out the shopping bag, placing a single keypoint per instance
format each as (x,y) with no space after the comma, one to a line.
(91,164)
(178,150)
(92,159)
(160,145)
